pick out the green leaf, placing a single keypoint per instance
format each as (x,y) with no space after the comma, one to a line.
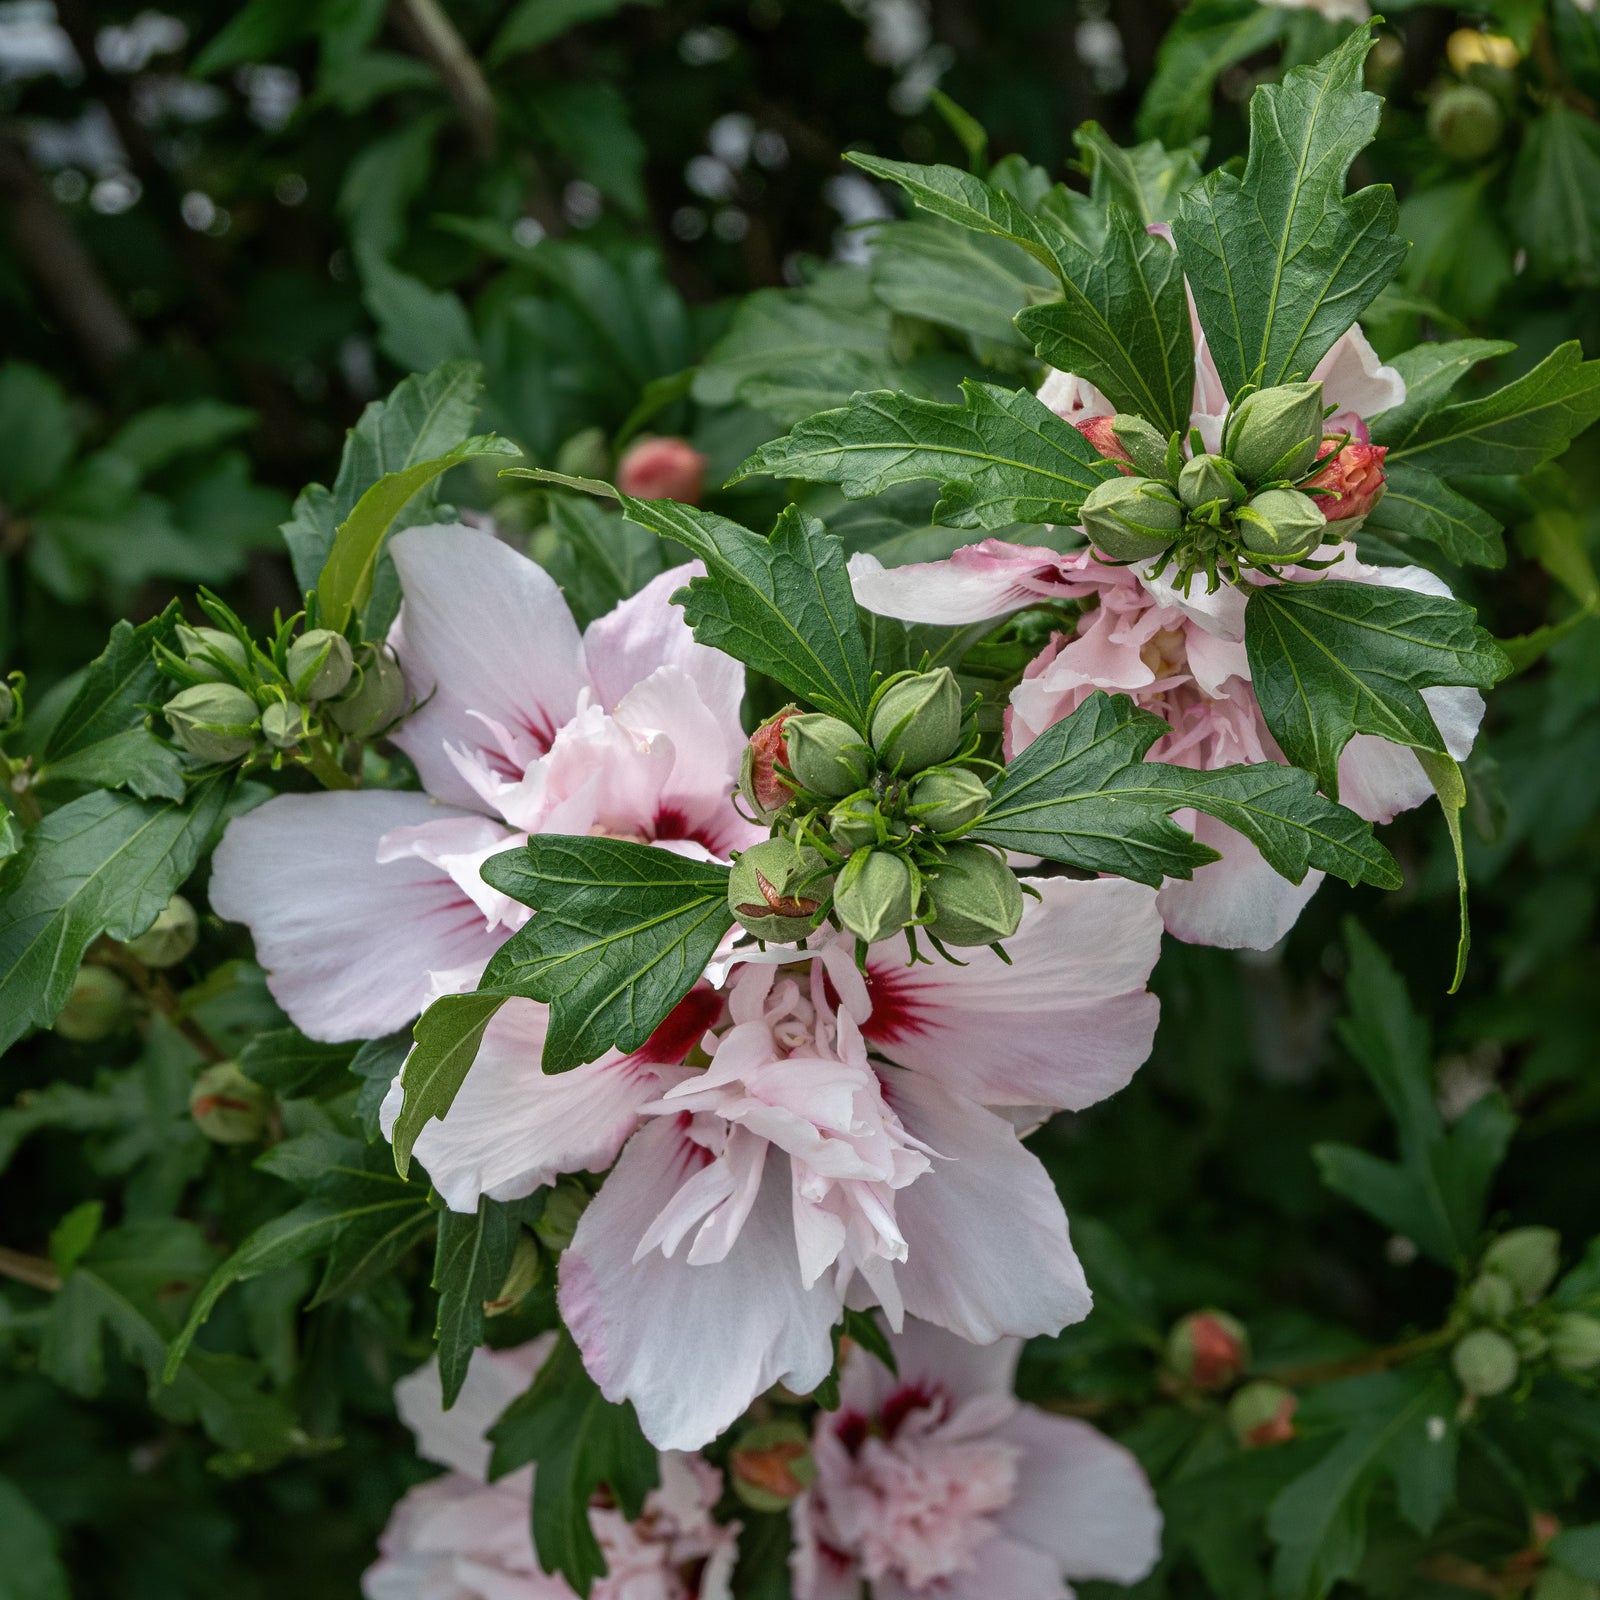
(255,31)
(1334,658)
(783,605)
(1554,198)
(1002,458)
(536,22)
(32,1568)
(1083,794)
(589,123)
(1123,324)
(1578,1550)
(1430,372)
(577,1441)
(101,737)
(37,436)
(1148,179)
(418,327)
(1204,40)
(1451,789)
(1417,505)
(470,1264)
(602,557)
(163,434)
(1279,262)
(623,933)
(288,1063)
(447,1037)
(103,864)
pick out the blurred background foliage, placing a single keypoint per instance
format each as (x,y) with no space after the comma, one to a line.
(226,228)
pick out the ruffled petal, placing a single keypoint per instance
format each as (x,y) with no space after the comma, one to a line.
(1072,398)
(1001,1566)
(1065,1025)
(349,943)
(977,582)
(457,1438)
(1351,375)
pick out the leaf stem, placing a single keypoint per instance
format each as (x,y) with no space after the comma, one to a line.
(324,767)
(34,1271)
(1382,1360)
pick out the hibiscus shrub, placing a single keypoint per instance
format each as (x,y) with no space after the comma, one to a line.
(635,989)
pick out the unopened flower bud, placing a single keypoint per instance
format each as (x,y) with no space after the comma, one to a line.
(170,938)
(1131,519)
(1262,1413)
(1145,444)
(375,701)
(949,798)
(662,469)
(283,724)
(975,896)
(1100,433)
(214,721)
(826,755)
(1209,478)
(8,703)
(228,1107)
(764,791)
(564,1207)
(1491,1297)
(1281,525)
(320,664)
(98,1006)
(202,648)
(1528,1258)
(1485,1362)
(1351,482)
(771,1465)
(527,1266)
(1274,433)
(1466,122)
(777,890)
(1208,1349)
(1556,1583)
(874,899)
(917,722)
(1575,1341)
(853,824)
(1532,1345)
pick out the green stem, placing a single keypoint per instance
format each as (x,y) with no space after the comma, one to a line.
(324,767)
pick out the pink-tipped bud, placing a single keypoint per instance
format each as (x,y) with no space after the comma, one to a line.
(1097,430)
(764,791)
(1262,1413)
(662,469)
(1350,482)
(1208,1349)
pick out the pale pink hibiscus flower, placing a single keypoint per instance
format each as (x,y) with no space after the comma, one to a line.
(460,1537)
(937,1483)
(366,905)
(839,1142)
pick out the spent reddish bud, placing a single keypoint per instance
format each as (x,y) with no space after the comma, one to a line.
(1350,481)
(1262,1413)
(1097,430)
(764,790)
(1208,1349)
(662,469)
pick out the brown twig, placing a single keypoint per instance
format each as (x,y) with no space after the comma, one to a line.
(433,36)
(1393,1355)
(34,1271)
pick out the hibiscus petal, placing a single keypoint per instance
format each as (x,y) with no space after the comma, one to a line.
(456,1438)
(977,582)
(690,1346)
(1237,903)
(1000,1566)
(485,632)
(1065,1025)
(1352,376)
(936,1357)
(348,943)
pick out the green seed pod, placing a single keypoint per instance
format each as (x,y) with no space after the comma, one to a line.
(100,1005)
(770,892)
(826,755)
(1146,446)
(320,664)
(771,1466)
(1275,433)
(1491,1297)
(1281,525)
(975,896)
(1528,1258)
(228,1107)
(874,899)
(1556,1583)
(214,721)
(1262,1413)
(853,824)
(917,723)
(170,938)
(283,724)
(1485,1362)
(1531,1344)
(1208,1349)
(375,701)
(527,1267)
(1131,519)
(564,1207)
(1466,122)
(948,798)
(1575,1341)
(1208,478)
(201,647)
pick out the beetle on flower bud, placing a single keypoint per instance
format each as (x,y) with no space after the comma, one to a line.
(876,896)
(214,721)
(1131,519)
(777,889)
(917,723)
(320,664)
(1274,433)
(975,896)
(1281,525)
(825,755)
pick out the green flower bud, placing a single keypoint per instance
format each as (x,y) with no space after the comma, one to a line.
(975,896)
(169,938)
(874,899)
(1485,1362)
(1275,433)
(854,823)
(1145,444)
(320,664)
(375,701)
(826,755)
(283,724)
(775,891)
(1131,519)
(527,1267)
(1208,1349)
(1531,1344)
(771,1465)
(1208,478)
(1491,1297)
(1466,122)
(1575,1341)
(1528,1257)
(227,1107)
(1556,1583)
(214,721)
(202,646)
(564,1207)
(99,1005)
(1262,1413)
(1282,525)
(949,798)
(917,723)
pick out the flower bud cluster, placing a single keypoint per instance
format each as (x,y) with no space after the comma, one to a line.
(1263,502)
(867,827)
